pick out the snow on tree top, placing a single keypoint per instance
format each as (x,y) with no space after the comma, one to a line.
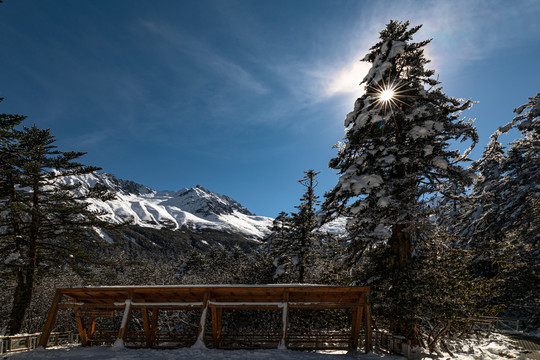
(383,61)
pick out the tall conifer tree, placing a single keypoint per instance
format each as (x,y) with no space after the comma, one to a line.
(305,222)
(292,237)
(502,218)
(396,153)
(45,223)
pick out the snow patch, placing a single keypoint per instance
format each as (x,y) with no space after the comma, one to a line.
(440,162)
(102,234)
(360,184)
(383,202)
(422,131)
(428,150)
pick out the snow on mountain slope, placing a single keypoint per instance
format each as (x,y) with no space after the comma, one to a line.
(196,208)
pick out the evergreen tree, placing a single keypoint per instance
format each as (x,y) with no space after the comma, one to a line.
(520,182)
(292,238)
(476,212)
(304,223)
(45,223)
(7,123)
(502,219)
(396,155)
(276,242)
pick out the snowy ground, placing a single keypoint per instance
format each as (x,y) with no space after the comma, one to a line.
(95,353)
(495,347)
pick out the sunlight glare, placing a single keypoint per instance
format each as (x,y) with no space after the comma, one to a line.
(387,94)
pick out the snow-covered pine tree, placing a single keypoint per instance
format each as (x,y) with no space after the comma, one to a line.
(276,242)
(503,220)
(396,153)
(44,223)
(293,237)
(473,220)
(520,183)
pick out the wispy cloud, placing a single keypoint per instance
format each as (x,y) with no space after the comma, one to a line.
(463,31)
(205,55)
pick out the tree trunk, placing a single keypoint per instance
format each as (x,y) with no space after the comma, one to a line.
(401,248)
(301,267)
(21,298)
(400,244)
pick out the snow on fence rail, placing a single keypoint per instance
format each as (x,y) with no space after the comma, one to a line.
(15,343)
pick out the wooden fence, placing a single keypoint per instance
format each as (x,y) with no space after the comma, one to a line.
(92,303)
(9,344)
(496,324)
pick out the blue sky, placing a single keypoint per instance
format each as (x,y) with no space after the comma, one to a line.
(241,96)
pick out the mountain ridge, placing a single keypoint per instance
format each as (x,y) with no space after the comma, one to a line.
(195,208)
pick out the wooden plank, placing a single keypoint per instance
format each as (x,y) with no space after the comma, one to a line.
(125,321)
(355,328)
(215,327)
(82,331)
(243,306)
(354,320)
(146,325)
(83,306)
(51,319)
(154,325)
(367,312)
(189,294)
(91,328)
(219,314)
(200,335)
(323,305)
(284,321)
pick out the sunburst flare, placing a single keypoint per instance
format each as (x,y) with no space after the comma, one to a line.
(389,95)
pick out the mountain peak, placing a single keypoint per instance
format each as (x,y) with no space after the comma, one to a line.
(199,200)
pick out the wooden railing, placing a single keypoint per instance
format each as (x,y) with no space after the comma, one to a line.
(493,323)
(232,340)
(391,343)
(9,344)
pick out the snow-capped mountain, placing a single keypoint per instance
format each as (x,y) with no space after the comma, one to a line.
(196,208)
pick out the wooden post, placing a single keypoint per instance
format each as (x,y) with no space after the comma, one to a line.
(355,326)
(146,323)
(283,342)
(367,311)
(122,333)
(200,336)
(219,323)
(154,325)
(91,328)
(81,328)
(216,325)
(51,318)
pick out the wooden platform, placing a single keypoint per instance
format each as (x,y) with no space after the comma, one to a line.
(91,303)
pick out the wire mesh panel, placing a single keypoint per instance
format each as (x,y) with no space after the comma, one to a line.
(251,329)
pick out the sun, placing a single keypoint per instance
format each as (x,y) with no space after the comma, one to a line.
(389,95)
(386,95)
